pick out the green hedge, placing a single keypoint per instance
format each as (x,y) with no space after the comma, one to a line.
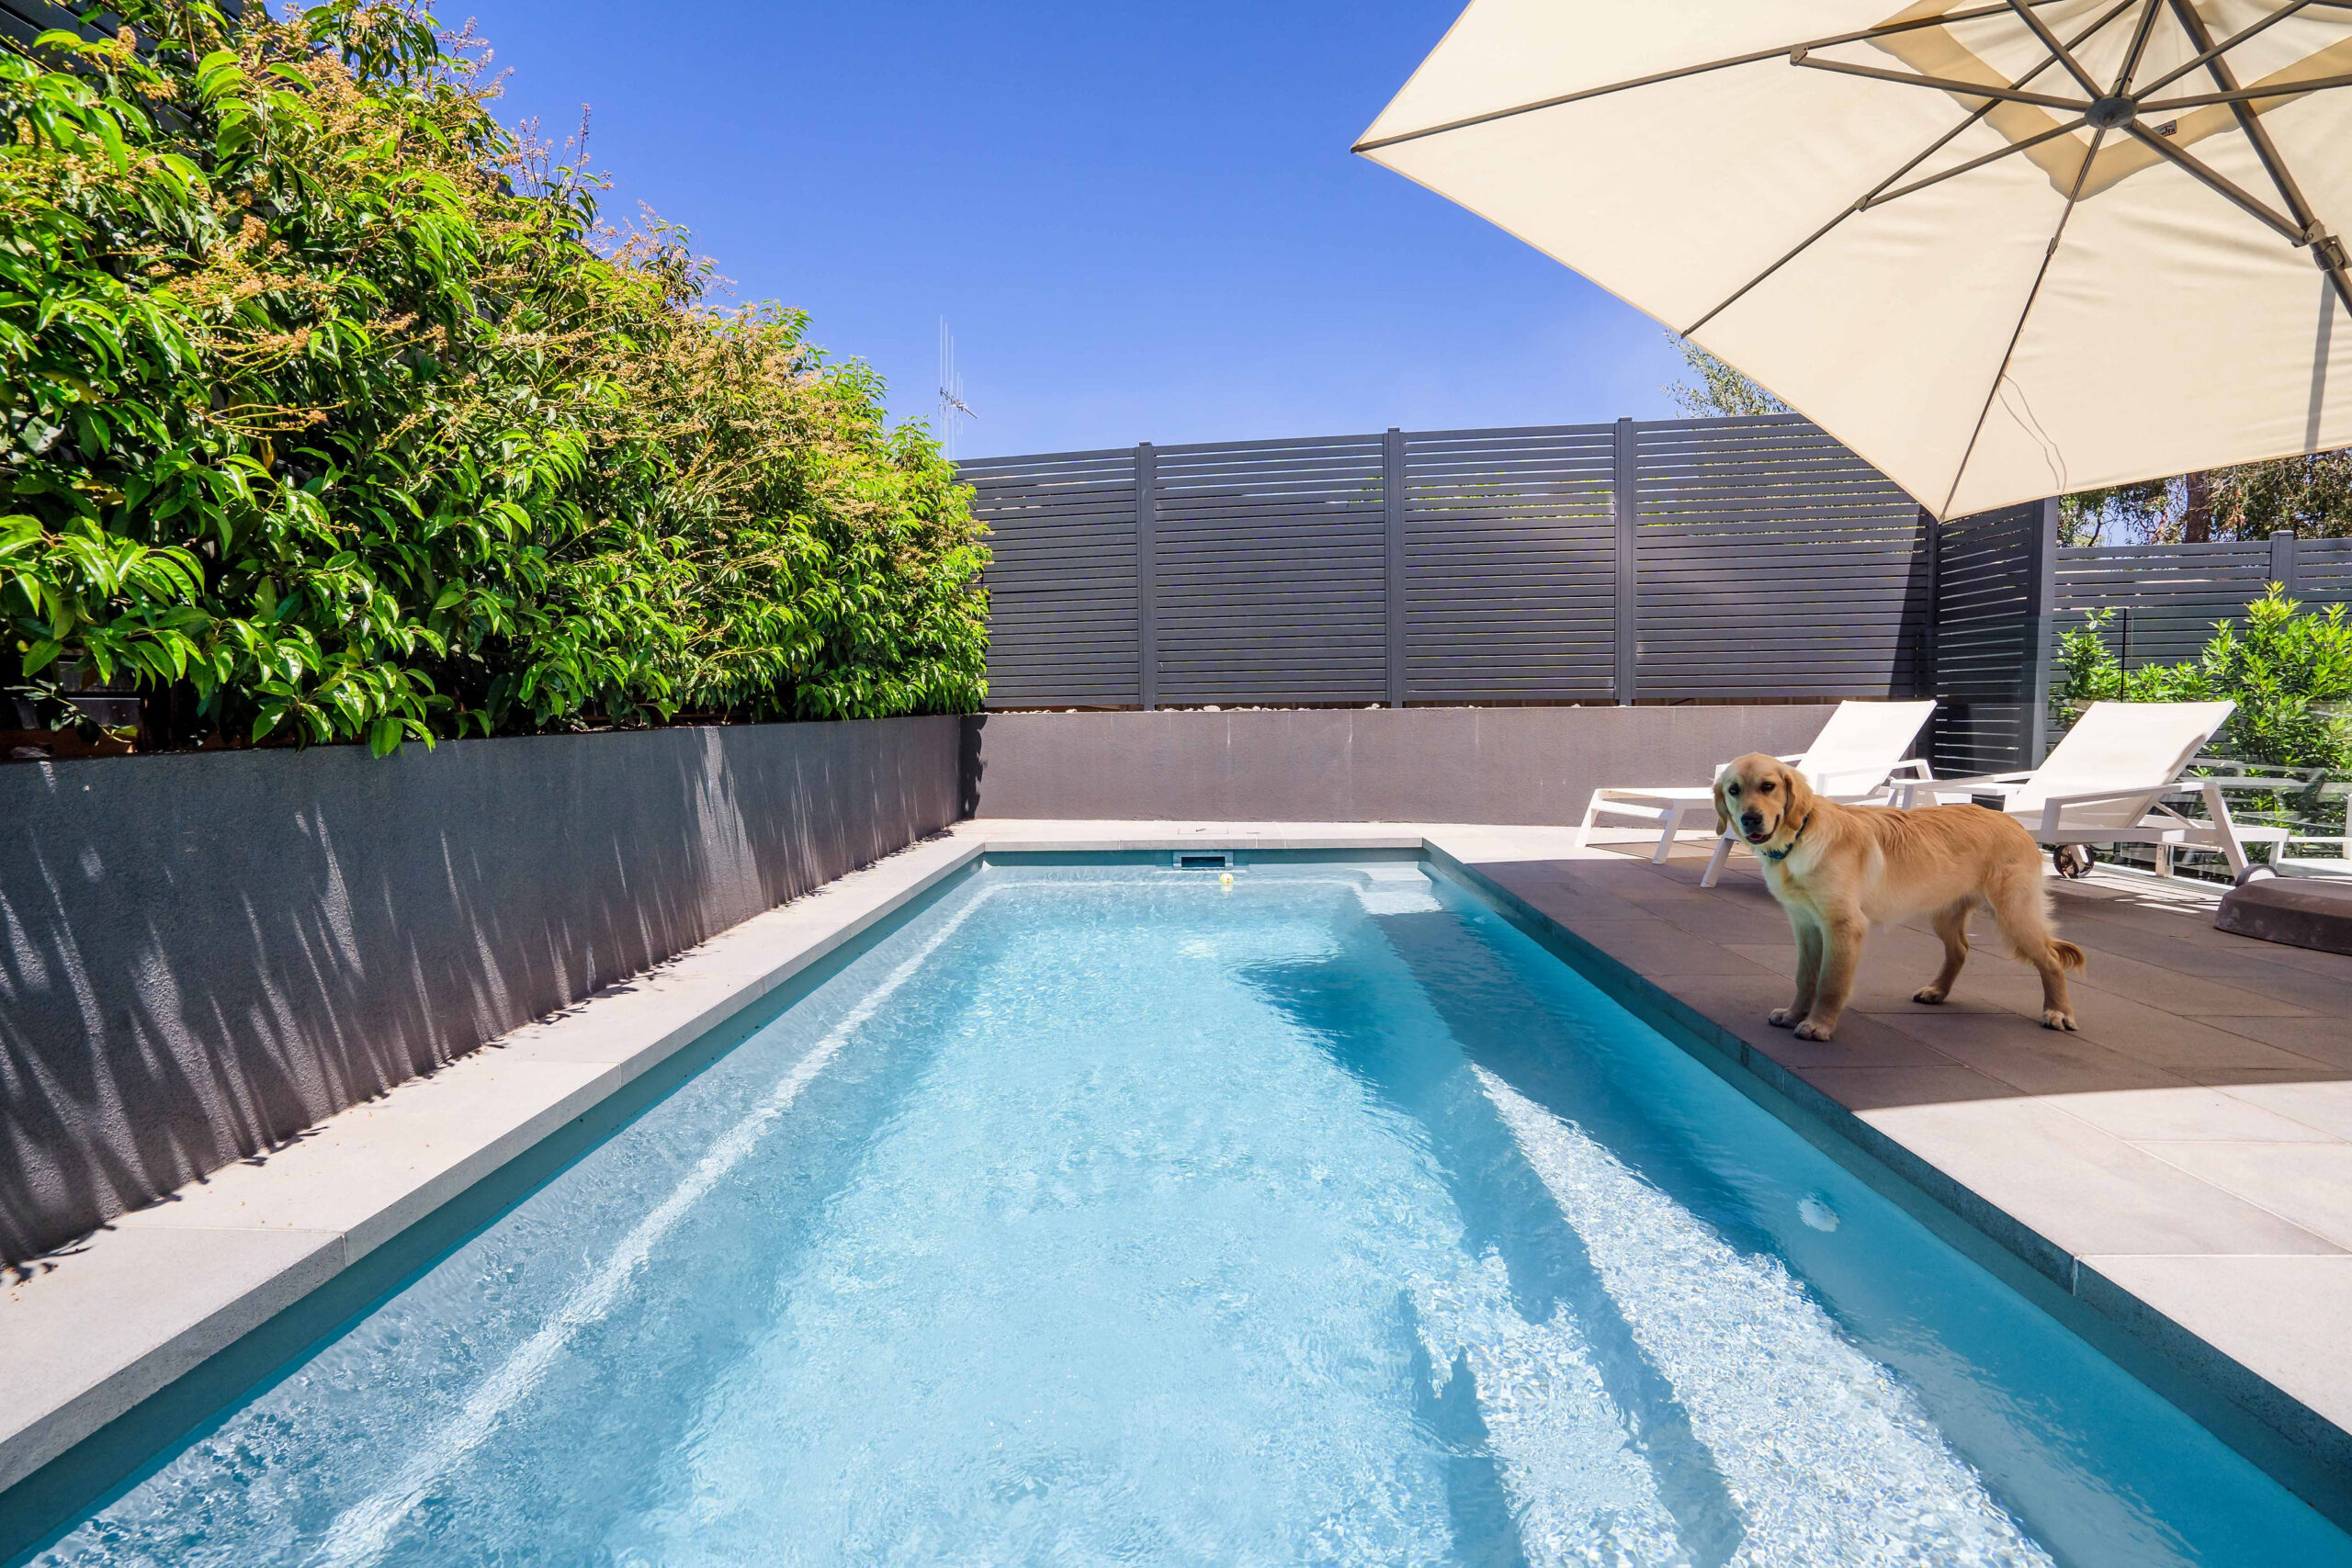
(334,415)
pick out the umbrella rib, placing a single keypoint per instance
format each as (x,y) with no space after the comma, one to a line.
(1756,58)
(2066,128)
(2049,253)
(2248,95)
(2063,55)
(2217,50)
(1801,55)
(2211,178)
(1877,194)
(2139,49)
(2325,250)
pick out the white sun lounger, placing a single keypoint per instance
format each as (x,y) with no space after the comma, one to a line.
(1850,761)
(2103,784)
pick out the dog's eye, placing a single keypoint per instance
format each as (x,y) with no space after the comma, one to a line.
(1733,790)
(1766,786)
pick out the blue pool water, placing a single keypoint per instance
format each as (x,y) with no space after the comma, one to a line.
(1106,1215)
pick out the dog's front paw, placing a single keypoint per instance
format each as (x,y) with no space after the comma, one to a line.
(1782,1018)
(2052,1018)
(1930,995)
(1810,1030)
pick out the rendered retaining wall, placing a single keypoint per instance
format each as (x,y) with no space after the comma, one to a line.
(202,955)
(1501,765)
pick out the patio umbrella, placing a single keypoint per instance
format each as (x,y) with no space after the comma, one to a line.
(2004,250)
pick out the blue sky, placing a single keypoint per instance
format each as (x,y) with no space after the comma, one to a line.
(1142,223)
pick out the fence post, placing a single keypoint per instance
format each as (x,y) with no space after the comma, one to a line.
(1146,573)
(2283,558)
(1932,543)
(1624,503)
(1392,491)
(2041,596)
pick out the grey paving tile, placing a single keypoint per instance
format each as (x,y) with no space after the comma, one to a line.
(2186,1111)
(2191,1047)
(2190,994)
(2018,1051)
(2326,1104)
(2288,1319)
(2314,1040)
(377,1166)
(1739,1005)
(2084,1190)
(2307,1183)
(1729,924)
(1940,1081)
(108,1325)
(1657,947)
(1892,970)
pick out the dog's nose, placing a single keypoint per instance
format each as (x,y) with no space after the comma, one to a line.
(1751,820)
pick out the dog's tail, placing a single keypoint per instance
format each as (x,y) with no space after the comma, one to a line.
(2068,955)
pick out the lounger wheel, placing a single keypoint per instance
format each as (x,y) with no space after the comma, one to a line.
(2073,860)
(2255,873)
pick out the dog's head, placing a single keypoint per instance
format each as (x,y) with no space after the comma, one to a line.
(1763,799)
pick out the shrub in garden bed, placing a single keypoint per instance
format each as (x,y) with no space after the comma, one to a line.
(333,415)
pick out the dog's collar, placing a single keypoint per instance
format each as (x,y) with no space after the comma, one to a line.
(1776,856)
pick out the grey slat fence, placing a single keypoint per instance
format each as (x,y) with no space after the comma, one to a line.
(1737,559)
(1991,641)
(2169,597)
(1772,562)
(1661,561)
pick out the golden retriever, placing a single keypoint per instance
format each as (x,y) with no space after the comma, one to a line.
(1840,869)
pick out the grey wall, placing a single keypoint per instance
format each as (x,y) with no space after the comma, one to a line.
(200,954)
(1515,765)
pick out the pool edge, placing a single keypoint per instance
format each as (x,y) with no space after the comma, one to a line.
(2305,1451)
(2298,1446)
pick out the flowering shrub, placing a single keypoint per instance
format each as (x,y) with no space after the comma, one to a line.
(328,419)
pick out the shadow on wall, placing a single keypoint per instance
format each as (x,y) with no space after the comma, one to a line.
(201,955)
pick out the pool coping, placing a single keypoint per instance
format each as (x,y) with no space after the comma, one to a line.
(158,1293)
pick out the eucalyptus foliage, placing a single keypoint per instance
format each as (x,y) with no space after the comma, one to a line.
(331,416)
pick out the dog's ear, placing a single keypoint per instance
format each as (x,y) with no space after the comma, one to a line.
(1799,810)
(1723,818)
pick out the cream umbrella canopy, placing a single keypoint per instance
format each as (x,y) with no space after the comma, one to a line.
(2002,251)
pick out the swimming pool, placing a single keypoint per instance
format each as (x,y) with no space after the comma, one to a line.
(1116,1213)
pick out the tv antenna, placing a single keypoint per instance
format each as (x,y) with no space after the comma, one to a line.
(952,405)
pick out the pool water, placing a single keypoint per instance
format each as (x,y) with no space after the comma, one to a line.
(1111,1214)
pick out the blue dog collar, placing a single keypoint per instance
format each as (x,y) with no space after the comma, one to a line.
(1776,856)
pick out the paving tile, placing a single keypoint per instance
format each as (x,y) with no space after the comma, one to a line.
(1650,946)
(2021,1053)
(2187,994)
(2171,950)
(2084,1190)
(1730,925)
(108,1325)
(1893,971)
(1739,1006)
(373,1169)
(2287,1319)
(2324,1104)
(2191,1047)
(2307,1183)
(2313,1040)
(1938,1081)
(2188,1111)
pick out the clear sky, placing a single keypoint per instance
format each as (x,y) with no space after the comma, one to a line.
(1141,222)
